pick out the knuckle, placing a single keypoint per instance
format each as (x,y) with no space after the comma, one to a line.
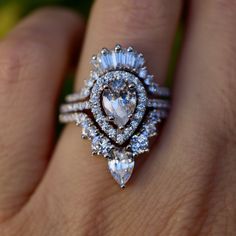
(9,63)
(57,12)
(133,14)
(224,5)
(21,57)
(222,12)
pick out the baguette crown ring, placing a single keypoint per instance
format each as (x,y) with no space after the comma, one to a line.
(119,109)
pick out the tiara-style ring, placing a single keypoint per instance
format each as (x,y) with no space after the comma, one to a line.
(119,109)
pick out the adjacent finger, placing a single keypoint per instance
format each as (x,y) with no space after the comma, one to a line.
(33,60)
(196,158)
(205,85)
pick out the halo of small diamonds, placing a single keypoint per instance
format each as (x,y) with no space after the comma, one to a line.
(119,136)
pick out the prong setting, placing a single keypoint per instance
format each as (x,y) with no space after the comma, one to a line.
(118,48)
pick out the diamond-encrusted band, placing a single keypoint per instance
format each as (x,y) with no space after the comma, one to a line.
(73,107)
(85,92)
(81,106)
(119,109)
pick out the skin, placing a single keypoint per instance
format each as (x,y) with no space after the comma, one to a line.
(187,183)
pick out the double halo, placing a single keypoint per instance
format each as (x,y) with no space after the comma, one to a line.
(119,109)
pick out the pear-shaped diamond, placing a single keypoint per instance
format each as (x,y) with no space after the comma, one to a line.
(119,102)
(121,167)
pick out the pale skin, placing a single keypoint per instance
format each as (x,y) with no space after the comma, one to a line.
(185,186)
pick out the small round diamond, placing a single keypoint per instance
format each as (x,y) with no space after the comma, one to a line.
(139,144)
(153,88)
(101,145)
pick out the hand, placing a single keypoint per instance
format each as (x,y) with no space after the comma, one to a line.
(187,183)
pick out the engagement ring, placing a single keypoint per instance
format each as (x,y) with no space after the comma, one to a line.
(119,109)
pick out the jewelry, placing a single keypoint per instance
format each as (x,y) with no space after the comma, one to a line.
(118,109)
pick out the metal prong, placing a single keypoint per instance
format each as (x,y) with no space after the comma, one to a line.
(118,48)
(110,118)
(128,147)
(130,116)
(130,49)
(105,86)
(94,57)
(83,136)
(94,153)
(140,55)
(122,185)
(131,86)
(104,51)
(106,156)
(135,155)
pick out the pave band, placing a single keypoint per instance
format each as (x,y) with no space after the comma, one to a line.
(119,109)
(85,105)
(84,93)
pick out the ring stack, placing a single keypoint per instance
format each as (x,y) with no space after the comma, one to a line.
(119,109)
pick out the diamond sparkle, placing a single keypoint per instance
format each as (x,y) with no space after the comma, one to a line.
(137,110)
(121,166)
(119,104)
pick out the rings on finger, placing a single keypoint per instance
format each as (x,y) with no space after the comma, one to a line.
(118,109)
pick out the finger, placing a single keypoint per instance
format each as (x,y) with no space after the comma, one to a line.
(33,61)
(177,192)
(205,88)
(201,160)
(147,25)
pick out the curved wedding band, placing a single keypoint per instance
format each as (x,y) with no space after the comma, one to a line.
(118,109)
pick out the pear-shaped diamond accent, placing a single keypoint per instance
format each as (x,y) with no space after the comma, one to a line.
(119,102)
(121,166)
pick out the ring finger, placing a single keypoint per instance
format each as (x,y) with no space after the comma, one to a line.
(148,26)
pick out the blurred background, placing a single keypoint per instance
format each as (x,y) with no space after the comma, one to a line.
(12,11)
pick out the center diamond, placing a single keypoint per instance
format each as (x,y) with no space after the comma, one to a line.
(119,102)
